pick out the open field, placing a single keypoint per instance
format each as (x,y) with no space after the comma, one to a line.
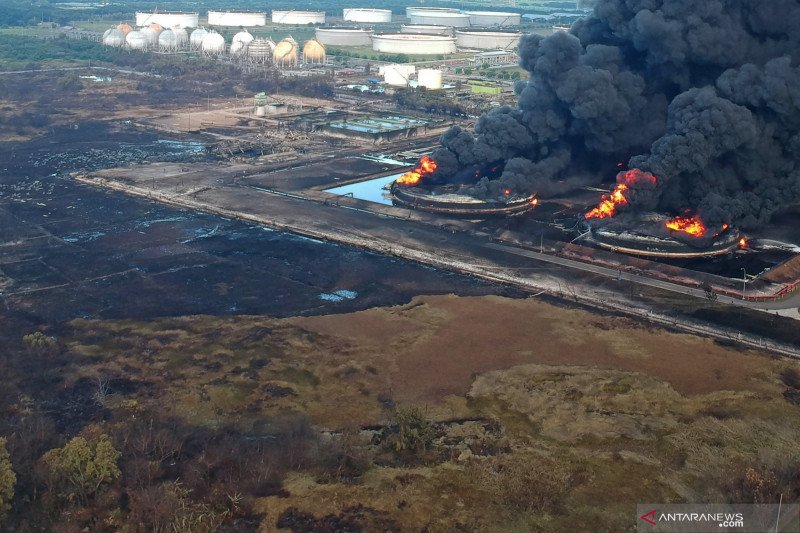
(544,417)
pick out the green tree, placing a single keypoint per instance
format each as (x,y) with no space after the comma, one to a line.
(413,433)
(7,480)
(82,466)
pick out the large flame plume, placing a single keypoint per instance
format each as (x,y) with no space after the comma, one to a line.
(619,197)
(412,178)
(689,225)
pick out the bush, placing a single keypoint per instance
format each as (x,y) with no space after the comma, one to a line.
(7,480)
(81,467)
(791,377)
(411,433)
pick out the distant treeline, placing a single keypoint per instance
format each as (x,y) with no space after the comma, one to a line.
(16,50)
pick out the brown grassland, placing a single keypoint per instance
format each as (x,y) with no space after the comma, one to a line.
(448,413)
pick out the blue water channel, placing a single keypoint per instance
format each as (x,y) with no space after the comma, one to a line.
(370,190)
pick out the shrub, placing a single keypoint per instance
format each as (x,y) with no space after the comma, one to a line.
(81,467)
(7,480)
(791,377)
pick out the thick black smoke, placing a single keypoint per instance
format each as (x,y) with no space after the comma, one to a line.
(705,94)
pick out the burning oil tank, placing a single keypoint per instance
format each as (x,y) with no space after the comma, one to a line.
(649,235)
(445,200)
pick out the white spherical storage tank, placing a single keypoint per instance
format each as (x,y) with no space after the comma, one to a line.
(167,40)
(260,50)
(344,36)
(397,75)
(487,40)
(298,17)
(430,78)
(245,19)
(493,18)
(414,10)
(114,37)
(168,19)
(196,38)
(359,14)
(455,20)
(151,34)
(426,29)
(240,42)
(285,53)
(213,44)
(406,43)
(136,40)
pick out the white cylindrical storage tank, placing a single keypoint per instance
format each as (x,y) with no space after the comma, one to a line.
(344,36)
(454,20)
(487,40)
(406,43)
(426,29)
(213,44)
(430,78)
(375,16)
(260,50)
(414,10)
(493,18)
(136,40)
(168,19)
(397,75)
(285,53)
(244,19)
(196,38)
(114,38)
(298,17)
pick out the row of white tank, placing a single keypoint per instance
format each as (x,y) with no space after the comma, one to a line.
(402,75)
(425,40)
(243,44)
(417,15)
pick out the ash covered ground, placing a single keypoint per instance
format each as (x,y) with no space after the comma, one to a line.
(74,251)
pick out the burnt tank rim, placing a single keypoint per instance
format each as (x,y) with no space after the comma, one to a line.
(447,203)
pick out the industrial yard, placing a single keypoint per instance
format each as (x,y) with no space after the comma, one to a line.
(392,267)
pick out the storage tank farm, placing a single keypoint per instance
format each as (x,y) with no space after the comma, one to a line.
(237,19)
(168,19)
(298,18)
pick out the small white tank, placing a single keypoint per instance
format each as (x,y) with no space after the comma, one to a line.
(430,78)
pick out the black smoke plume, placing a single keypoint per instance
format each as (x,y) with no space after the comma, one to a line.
(705,94)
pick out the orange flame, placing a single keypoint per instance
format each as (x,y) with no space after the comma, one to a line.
(534,201)
(743,243)
(627,180)
(690,225)
(411,178)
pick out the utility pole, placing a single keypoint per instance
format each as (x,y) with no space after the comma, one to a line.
(744,281)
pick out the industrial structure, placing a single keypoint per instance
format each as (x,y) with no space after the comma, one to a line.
(241,19)
(313,52)
(298,18)
(493,18)
(406,43)
(365,15)
(426,29)
(344,36)
(439,18)
(168,19)
(445,200)
(487,40)
(397,75)
(285,53)
(430,78)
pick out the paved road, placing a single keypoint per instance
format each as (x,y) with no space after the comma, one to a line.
(787,307)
